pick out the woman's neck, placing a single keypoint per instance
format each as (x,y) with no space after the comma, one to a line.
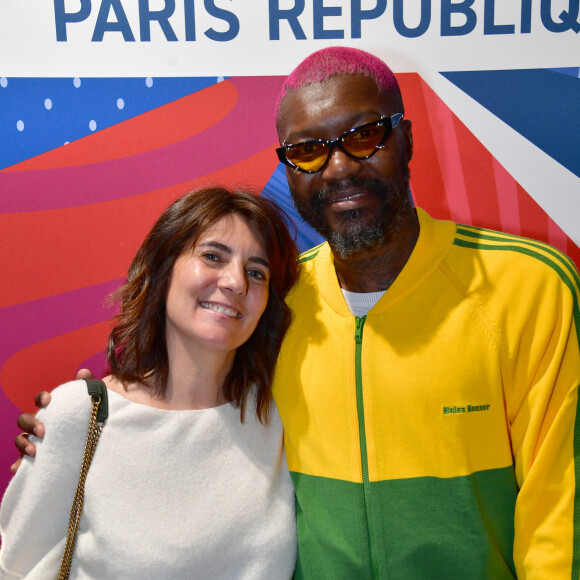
(195,378)
(195,387)
(193,382)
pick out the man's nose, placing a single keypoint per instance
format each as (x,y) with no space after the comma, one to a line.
(340,166)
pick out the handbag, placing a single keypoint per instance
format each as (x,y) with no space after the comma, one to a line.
(99,413)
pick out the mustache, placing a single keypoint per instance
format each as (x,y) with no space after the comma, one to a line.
(363,184)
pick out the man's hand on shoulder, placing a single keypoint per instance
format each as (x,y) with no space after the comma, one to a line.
(84,374)
(30,425)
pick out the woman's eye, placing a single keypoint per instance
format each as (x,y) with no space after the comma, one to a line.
(210,256)
(257,274)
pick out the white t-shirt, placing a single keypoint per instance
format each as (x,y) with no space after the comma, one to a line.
(359,303)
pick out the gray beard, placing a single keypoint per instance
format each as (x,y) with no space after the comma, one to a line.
(356,236)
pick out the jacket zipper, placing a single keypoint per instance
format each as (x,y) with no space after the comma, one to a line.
(358,335)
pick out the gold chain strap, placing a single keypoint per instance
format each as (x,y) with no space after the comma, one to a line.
(77,506)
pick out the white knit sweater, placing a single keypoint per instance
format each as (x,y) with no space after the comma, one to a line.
(170,494)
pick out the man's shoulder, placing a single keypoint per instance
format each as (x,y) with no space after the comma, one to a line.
(306,288)
(498,246)
(312,253)
(311,260)
(513,263)
(513,248)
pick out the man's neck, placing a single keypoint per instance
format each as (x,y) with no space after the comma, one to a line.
(376,269)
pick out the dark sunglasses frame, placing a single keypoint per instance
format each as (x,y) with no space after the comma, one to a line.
(388,123)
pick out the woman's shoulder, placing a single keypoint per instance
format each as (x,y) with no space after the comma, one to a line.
(66,419)
(253,430)
(67,400)
(71,391)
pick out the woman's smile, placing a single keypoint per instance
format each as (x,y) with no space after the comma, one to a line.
(220,308)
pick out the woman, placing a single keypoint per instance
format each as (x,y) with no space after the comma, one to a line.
(192,355)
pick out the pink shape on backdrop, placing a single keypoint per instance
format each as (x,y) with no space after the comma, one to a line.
(442,124)
(507,197)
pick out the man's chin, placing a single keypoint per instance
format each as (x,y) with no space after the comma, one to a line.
(346,219)
(358,237)
(357,231)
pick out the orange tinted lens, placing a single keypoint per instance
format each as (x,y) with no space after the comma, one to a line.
(310,156)
(364,141)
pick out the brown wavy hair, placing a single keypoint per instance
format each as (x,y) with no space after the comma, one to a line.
(137,351)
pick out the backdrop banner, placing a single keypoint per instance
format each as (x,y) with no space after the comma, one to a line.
(110,109)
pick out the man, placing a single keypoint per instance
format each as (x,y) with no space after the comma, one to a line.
(429,404)
(423,431)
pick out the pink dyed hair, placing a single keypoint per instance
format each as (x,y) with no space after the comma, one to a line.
(341,60)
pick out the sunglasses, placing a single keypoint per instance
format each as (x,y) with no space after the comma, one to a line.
(361,143)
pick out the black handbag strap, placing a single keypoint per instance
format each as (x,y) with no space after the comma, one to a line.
(99,412)
(97,388)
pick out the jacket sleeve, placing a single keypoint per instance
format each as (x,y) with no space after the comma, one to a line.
(36,506)
(544,421)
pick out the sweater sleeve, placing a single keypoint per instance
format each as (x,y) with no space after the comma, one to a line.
(545,431)
(36,506)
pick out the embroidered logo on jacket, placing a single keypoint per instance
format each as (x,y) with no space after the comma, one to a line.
(466,409)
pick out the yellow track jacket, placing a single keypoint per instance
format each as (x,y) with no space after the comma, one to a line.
(437,437)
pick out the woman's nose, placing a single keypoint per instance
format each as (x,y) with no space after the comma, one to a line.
(234,279)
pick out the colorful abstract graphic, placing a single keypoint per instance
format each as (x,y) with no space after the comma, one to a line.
(86,166)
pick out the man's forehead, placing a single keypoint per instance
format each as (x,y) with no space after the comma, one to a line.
(340,95)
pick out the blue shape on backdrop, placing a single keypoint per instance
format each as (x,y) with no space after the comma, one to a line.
(40,114)
(573,71)
(277,190)
(541,105)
